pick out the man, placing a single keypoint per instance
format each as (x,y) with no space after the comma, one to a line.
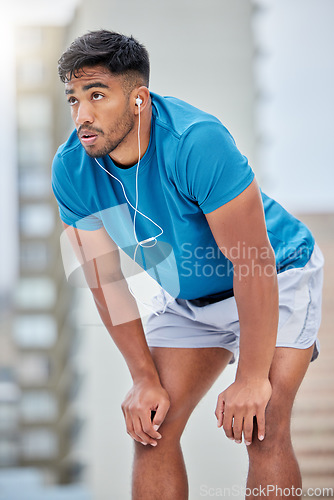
(165,182)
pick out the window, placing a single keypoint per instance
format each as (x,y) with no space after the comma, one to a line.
(35,184)
(39,444)
(35,256)
(8,416)
(35,293)
(6,374)
(9,391)
(8,452)
(37,220)
(38,405)
(34,149)
(34,112)
(31,72)
(35,331)
(34,369)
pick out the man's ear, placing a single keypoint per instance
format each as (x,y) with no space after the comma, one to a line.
(141,98)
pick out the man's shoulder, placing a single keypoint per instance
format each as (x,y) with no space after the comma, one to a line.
(179,117)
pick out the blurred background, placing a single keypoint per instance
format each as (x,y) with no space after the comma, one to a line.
(266,69)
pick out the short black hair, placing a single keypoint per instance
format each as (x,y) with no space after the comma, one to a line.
(120,54)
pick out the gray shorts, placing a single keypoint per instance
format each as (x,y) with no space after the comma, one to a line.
(182,324)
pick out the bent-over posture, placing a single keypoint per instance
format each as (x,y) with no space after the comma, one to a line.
(240,278)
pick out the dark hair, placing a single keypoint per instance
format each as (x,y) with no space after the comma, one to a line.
(120,54)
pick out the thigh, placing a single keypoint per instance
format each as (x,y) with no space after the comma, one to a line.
(187,374)
(287,371)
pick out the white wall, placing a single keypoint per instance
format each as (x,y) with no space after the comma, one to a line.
(297,75)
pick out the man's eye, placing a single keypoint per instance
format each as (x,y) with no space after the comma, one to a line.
(72,101)
(97,97)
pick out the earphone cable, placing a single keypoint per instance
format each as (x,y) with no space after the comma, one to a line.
(142,243)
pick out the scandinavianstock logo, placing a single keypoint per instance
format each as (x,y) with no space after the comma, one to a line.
(110,270)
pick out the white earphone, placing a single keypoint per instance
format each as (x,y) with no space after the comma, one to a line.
(151,238)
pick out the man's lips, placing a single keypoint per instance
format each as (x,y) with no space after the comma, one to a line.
(88,139)
(87,136)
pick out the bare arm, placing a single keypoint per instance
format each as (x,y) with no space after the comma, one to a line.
(240,232)
(100,261)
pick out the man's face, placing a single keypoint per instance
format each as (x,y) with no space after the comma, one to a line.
(100,110)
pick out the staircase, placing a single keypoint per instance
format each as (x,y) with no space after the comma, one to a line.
(313,413)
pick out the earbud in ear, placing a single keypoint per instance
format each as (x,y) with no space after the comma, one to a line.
(138,101)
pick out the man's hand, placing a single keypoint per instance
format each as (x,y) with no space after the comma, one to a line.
(144,398)
(239,404)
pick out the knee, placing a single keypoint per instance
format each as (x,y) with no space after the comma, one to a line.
(171,431)
(274,444)
(174,423)
(277,432)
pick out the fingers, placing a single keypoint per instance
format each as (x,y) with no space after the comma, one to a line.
(142,424)
(228,424)
(140,427)
(237,407)
(143,428)
(159,415)
(148,427)
(261,425)
(239,422)
(248,429)
(220,410)
(237,426)
(130,428)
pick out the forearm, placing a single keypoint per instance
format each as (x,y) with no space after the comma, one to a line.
(119,312)
(120,315)
(101,264)
(256,294)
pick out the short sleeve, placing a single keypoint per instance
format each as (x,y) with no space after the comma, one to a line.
(210,168)
(72,210)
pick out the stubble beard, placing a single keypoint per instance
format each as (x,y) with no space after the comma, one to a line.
(122,128)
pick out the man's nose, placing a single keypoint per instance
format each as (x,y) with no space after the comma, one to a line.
(84,114)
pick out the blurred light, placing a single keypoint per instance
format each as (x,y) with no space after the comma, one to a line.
(39,444)
(38,405)
(8,170)
(37,220)
(9,392)
(34,369)
(34,184)
(35,293)
(34,111)
(41,12)
(35,330)
(35,255)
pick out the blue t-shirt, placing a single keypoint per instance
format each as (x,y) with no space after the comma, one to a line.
(191,167)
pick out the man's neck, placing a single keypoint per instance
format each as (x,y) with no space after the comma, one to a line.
(126,156)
